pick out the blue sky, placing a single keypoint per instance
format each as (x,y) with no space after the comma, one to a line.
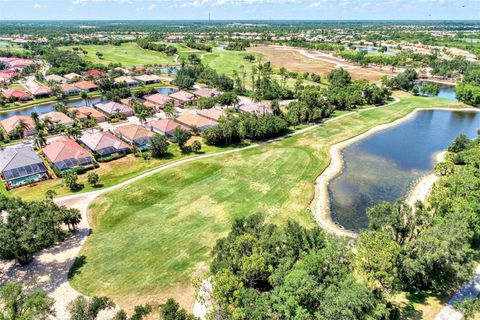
(238,9)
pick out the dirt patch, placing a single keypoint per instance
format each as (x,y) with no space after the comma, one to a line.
(302,60)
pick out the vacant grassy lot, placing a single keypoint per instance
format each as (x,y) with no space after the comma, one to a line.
(152,238)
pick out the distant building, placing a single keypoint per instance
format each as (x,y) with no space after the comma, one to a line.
(157,100)
(129,81)
(88,112)
(94,73)
(148,79)
(214,113)
(206,93)
(21,165)
(16,95)
(72,76)
(55,78)
(256,109)
(68,89)
(57,118)
(182,97)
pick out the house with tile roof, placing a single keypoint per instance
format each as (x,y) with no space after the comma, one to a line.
(148,78)
(40,92)
(113,108)
(128,81)
(68,89)
(104,144)
(206,93)
(135,135)
(214,113)
(10,125)
(158,100)
(195,122)
(72,76)
(84,112)
(165,126)
(20,165)
(95,73)
(86,86)
(16,95)
(65,154)
(182,97)
(57,118)
(257,109)
(55,78)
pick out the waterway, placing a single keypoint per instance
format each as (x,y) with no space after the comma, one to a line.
(385,165)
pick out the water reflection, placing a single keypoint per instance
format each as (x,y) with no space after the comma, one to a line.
(383,166)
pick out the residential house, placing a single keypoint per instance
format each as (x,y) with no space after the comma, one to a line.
(68,89)
(182,97)
(16,95)
(21,165)
(129,81)
(55,78)
(165,126)
(84,112)
(20,64)
(194,121)
(214,113)
(11,124)
(257,109)
(148,78)
(206,93)
(135,135)
(95,73)
(86,86)
(40,92)
(157,100)
(112,108)
(104,144)
(57,118)
(72,76)
(66,154)
(6,76)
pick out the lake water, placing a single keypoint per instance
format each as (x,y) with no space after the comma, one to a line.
(446,91)
(385,165)
(375,50)
(166,90)
(45,108)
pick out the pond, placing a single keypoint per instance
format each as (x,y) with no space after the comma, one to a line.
(446,91)
(385,165)
(375,50)
(166,90)
(170,70)
(45,108)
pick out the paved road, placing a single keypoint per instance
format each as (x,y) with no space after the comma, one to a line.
(469,290)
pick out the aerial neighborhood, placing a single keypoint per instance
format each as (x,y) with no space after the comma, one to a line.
(216,169)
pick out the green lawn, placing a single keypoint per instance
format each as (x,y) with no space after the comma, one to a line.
(128,54)
(152,238)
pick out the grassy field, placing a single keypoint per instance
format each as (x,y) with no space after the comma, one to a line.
(128,54)
(151,239)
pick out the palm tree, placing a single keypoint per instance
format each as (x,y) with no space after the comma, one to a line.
(48,123)
(84,97)
(40,141)
(21,128)
(73,132)
(19,305)
(169,110)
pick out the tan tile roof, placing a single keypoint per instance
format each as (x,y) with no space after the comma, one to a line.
(213,113)
(15,93)
(192,120)
(182,96)
(85,85)
(158,99)
(133,132)
(165,125)
(113,107)
(57,117)
(64,148)
(97,140)
(206,93)
(85,112)
(11,123)
(40,90)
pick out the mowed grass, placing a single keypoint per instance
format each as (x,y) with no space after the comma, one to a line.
(128,54)
(151,239)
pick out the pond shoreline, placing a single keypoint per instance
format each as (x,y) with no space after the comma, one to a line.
(320,205)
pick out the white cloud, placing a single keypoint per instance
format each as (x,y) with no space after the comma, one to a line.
(36,6)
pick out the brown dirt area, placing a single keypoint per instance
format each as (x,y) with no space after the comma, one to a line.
(293,59)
